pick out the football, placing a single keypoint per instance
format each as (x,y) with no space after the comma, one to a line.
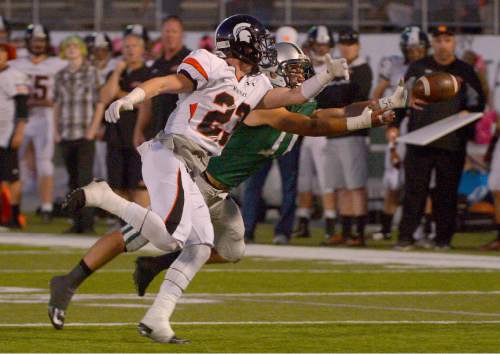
(436,87)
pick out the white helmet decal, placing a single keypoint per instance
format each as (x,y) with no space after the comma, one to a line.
(241,32)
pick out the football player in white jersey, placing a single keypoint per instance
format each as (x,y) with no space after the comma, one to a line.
(414,45)
(319,44)
(13,116)
(41,70)
(216,93)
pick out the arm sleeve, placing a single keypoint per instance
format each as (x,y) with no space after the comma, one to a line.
(21,103)
(475,99)
(196,67)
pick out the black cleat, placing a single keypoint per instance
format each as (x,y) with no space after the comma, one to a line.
(145,271)
(60,297)
(302,229)
(145,331)
(74,201)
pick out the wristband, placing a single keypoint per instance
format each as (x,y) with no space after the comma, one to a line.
(359,122)
(385,103)
(137,95)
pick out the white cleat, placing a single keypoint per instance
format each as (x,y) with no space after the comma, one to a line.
(159,332)
(94,194)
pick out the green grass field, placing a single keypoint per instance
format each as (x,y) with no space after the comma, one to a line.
(258,305)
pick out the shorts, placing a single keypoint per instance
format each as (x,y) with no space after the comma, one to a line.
(494,177)
(346,163)
(124,168)
(9,162)
(311,165)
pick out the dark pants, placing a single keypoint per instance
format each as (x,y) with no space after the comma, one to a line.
(419,163)
(252,198)
(78,158)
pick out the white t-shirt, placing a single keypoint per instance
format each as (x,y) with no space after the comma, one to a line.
(210,113)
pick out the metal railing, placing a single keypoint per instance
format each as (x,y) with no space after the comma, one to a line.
(365,15)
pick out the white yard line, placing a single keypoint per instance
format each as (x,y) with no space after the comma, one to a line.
(244,323)
(366,256)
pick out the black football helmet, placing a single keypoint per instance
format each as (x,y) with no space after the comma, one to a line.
(413,36)
(245,38)
(40,32)
(320,35)
(137,30)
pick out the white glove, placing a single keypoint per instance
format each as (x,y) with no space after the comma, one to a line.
(126,103)
(112,114)
(336,67)
(399,99)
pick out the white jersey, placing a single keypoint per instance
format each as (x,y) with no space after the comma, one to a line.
(107,70)
(12,83)
(210,113)
(392,69)
(42,80)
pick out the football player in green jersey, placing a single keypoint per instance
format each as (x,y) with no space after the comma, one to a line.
(264,135)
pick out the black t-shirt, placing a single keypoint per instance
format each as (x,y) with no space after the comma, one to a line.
(121,133)
(341,93)
(163,105)
(470,97)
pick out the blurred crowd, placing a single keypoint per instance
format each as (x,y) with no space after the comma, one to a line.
(51,101)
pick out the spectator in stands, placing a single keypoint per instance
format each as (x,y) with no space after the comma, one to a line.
(446,155)
(75,97)
(346,157)
(13,117)
(123,160)
(173,53)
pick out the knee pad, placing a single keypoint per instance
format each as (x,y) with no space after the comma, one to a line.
(44,166)
(134,241)
(231,250)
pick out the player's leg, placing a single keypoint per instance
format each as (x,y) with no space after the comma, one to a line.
(9,172)
(252,197)
(136,186)
(43,143)
(229,239)
(167,224)
(288,165)
(196,251)
(109,246)
(305,191)
(494,184)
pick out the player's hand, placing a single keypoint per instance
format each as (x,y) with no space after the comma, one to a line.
(112,114)
(392,134)
(399,99)
(336,67)
(381,117)
(90,134)
(16,141)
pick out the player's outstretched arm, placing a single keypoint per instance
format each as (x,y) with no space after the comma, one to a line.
(282,97)
(176,83)
(320,124)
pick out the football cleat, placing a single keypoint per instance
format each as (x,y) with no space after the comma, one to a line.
(92,195)
(146,331)
(302,229)
(60,297)
(145,272)
(335,240)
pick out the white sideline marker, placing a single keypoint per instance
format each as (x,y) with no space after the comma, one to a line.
(434,131)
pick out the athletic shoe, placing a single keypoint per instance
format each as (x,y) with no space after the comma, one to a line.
(60,297)
(147,331)
(145,271)
(335,240)
(403,246)
(443,247)
(92,195)
(280,240)
(379,235)
(425,244)
(302,229)
(356,242)
(492,246)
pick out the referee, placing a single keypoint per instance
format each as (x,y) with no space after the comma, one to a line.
(444,156)
(346,157)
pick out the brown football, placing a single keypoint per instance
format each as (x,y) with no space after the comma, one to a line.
(436,87)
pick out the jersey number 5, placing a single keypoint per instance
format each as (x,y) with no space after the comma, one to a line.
(40,92)
(211,125)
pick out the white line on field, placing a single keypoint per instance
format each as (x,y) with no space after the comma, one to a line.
(236,323)
(285,271)
(371,307)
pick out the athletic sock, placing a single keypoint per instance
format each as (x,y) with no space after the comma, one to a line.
(46,207)
(78,275)
(360,226)
(386,221)
(346,226)
(303,213)
(15,212)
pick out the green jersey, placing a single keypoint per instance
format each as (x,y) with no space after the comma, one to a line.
(250,148)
